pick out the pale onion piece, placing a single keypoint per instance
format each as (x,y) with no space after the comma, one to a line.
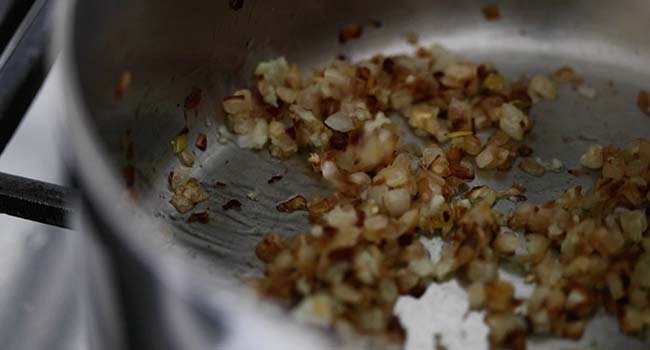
(340,121)
(549,271)
(282,145)
(375,223)
(397,201)
(179,177)
(541,87)
(394,176)
(286,94)
(513,121)
(356,109)
(186,158)
(388,291)
(593,157)
(267,91)
(304,114)
(331,172)
(373,319)
(482,194)
(486,157)
(310,97)
(471,144)
(336,77)
(482,271)
(410,219)
(346,293)
(346,236)
(256,139)
(425,117)
(638,297)
(615,285)
(181,204)
(431,153)
(634,223)
(442,57)
(360,179)
(422,267)
(241,102)
(317,310)
(294,77)
(632,321)
(476,295)
(316,231)
(555,165)
(536,246)
(341,217)
(274,71)
(577,299)
(401,99)
(410,79)
(366,267)
(379,121)
(506,244)
(459,115)
(460,73)
(586,91)
(436,203)
(614,168)
(530,166)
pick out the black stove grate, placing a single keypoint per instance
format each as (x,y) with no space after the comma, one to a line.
(24,36)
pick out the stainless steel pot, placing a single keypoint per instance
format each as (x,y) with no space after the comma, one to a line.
(172,48)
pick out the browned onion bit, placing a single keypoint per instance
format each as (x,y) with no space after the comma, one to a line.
(123,83)
(350,32)
(292,204)
(273,179)
(201,217)
(201,142)
(232,204)
(491,12)
(643,101)
(220,184)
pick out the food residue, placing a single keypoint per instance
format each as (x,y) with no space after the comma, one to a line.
(193,99)
(412,37)
(232,204)
(252,196)
(201,217)
(201,142)
(292,204)
(123,83)
(583,250)
(567,75)
(274,179)
(532,167)
(491,12)
(350,32)
(643,101)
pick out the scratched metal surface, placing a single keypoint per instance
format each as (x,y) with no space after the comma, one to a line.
(208,46)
